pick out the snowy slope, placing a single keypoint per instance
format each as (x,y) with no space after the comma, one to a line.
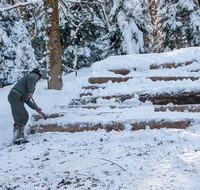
(144,159)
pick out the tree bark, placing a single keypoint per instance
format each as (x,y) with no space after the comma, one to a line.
(53,44)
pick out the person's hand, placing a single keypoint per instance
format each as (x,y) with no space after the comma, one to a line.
(30,95)
(39,110)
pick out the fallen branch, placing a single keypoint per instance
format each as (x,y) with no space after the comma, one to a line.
(142,151)
(113,163)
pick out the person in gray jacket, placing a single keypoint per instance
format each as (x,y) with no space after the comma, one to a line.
(21,93)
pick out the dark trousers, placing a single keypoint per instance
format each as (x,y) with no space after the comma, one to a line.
(19,113)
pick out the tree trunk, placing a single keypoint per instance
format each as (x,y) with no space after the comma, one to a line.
(53,44)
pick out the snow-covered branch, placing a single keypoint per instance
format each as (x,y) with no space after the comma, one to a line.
(17,5)
(22,5)
(84,2)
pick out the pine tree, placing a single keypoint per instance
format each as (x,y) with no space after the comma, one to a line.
(179,24)
(17,54)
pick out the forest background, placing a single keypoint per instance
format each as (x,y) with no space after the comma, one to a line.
(91,31)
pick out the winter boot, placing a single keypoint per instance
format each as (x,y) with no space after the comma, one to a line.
(18,135)
(22,134)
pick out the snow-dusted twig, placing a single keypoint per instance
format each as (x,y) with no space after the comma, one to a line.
(142,151)
(85,2)
(113,163)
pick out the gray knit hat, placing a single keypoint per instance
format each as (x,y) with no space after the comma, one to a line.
(37,71)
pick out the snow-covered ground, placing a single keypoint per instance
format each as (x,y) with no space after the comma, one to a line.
(143,160)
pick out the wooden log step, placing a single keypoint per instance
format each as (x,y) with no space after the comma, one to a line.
(101,80)
(100,106)
(160,108)
(36,117)
(93,100)
(82,107)
(181,124)
(172,78)
(122,71)
(76,127)
(153,66)
(117,126)
(92,87)
(179,98)
(86,94)
(79,107)
(163,108)
(178,108)
(94,107)
(170,65)
(83,101)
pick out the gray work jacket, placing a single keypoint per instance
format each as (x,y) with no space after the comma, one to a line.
(26,85)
